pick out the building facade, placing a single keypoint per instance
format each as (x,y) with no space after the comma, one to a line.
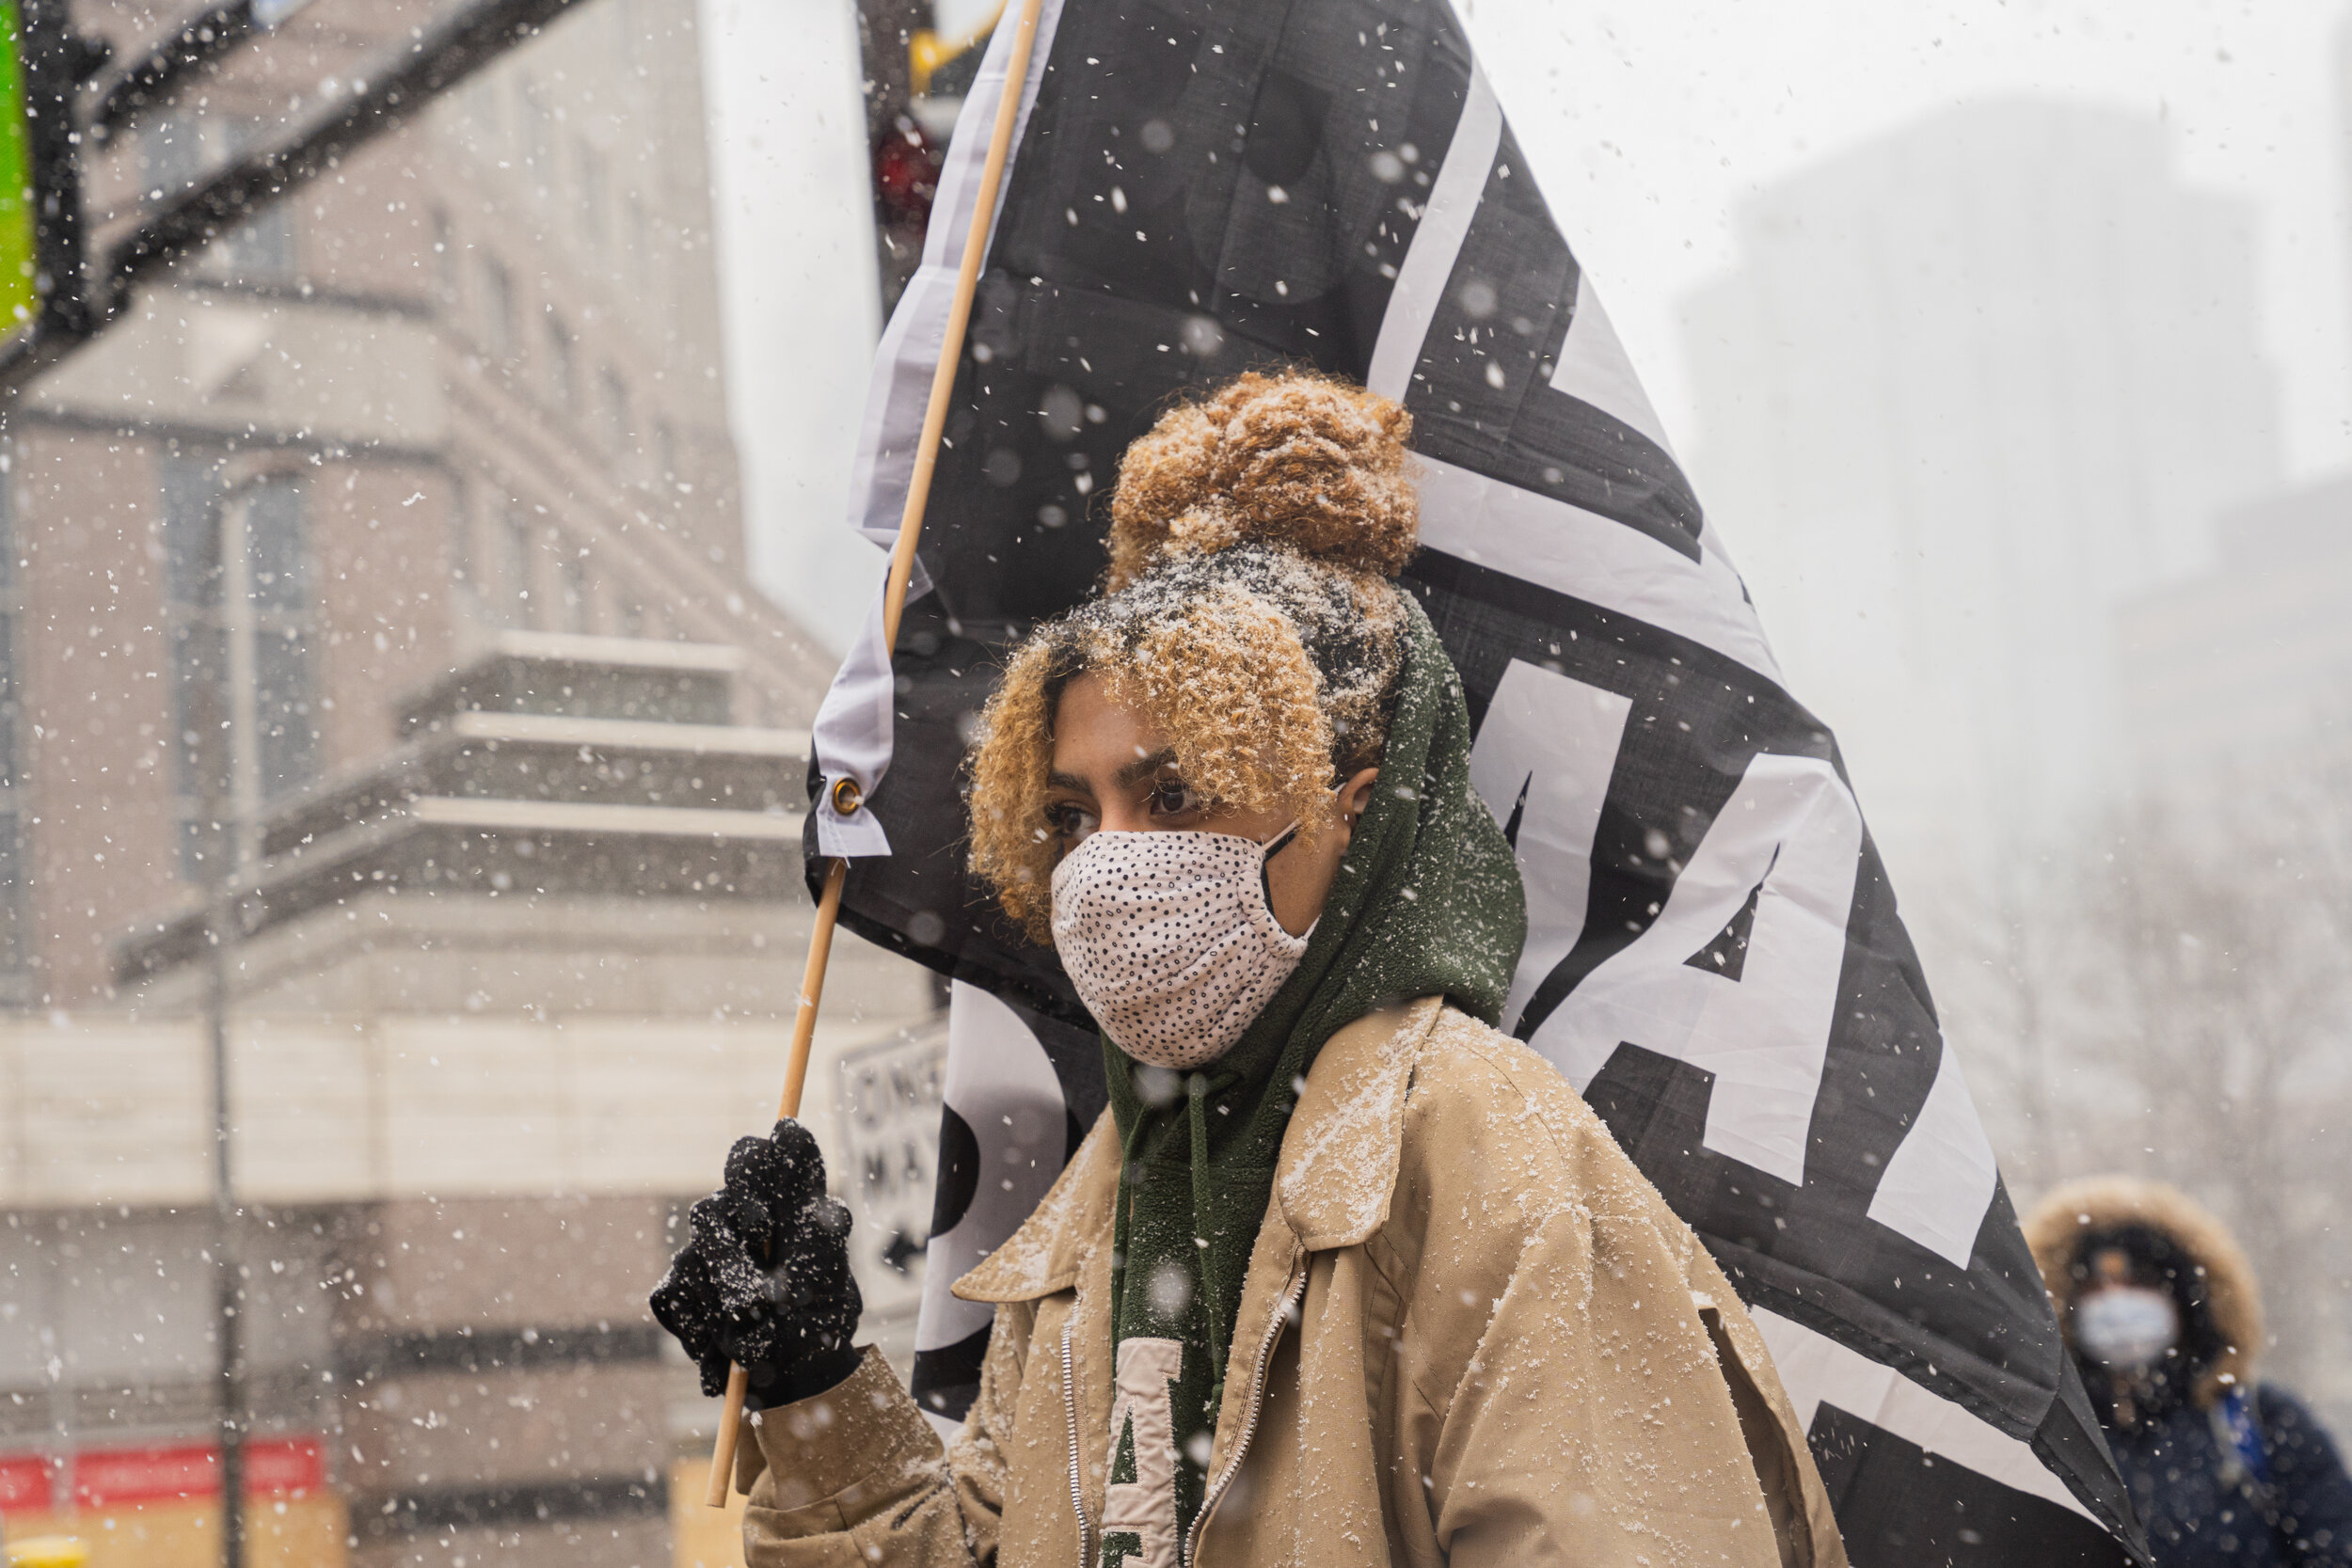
(517,954)
(2243,673)
(1972,384)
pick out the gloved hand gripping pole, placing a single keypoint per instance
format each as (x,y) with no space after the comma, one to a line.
(894,602)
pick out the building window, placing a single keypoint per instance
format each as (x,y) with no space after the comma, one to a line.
(538,129)
(445,281)
(192,488)
(481,105)
(571,570)
(515,565)
(592,192)
(635,240)
(174,149)
(619,422)
(261,250)
(181,153)
(562,372)
(278,593)
(461,547)
(497,310)
(242,633)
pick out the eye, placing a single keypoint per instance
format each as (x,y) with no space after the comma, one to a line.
(1173,797)
(1070,821)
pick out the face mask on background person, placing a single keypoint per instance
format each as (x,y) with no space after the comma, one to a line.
(1169,939)
(2127,1328)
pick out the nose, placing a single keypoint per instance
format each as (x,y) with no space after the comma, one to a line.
(1123,816)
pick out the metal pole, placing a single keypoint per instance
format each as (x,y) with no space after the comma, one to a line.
(227,1284)
(235,789)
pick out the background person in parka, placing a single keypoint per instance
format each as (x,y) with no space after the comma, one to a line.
(2164,1317)
(1343,1274)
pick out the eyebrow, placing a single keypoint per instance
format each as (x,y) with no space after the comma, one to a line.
(1126,778)
(1143,767)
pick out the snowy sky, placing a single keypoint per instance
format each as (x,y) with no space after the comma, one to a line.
(1647,124)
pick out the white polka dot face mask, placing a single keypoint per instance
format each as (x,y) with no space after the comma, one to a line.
(1169,939)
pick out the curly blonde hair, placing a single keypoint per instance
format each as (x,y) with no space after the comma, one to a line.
(1246,609)
(1307,462)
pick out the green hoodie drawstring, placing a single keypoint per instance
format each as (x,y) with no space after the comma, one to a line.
(1197,1088)
(1130,1177)
(1212,1286)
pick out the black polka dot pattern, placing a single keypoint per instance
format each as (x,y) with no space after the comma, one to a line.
(1169,940)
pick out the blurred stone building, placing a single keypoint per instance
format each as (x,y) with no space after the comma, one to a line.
(387,560)
(1984,402)
(2239,675)
(2243,673)
(1970,385)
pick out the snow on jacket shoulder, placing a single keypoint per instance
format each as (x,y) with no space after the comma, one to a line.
(1472,1332)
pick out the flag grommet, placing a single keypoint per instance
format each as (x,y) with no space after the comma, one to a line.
(847,797)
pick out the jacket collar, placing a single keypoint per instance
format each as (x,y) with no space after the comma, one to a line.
(1047,1252)
(1338,1168)
(1332,1183)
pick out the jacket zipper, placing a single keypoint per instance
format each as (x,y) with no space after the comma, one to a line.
(1249,1426)
(1070,1410)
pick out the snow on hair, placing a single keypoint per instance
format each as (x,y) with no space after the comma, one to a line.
(1307,462)
(1246,609)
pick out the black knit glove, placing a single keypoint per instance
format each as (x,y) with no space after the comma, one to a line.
(764,1281)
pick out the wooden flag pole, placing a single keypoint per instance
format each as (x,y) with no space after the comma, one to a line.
(894,605)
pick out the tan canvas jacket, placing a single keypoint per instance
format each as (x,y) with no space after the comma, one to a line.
(1472,1332)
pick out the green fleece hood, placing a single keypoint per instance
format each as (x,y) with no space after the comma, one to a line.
(1427,902)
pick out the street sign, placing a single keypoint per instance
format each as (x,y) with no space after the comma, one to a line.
(889,1103)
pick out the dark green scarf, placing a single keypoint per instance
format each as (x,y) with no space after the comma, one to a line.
(1427,902)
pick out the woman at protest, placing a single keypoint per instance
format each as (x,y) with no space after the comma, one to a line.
(1343,1274)
(2164,1316)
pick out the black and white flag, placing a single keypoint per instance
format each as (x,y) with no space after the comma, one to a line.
(1714,957)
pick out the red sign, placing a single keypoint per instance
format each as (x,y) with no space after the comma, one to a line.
(285,1467)
(23,1483)
(105,1478)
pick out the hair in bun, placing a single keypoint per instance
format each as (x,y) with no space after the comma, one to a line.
(1247,609)
(1303,462)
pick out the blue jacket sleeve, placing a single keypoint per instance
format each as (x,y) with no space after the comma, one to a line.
(2309,1488)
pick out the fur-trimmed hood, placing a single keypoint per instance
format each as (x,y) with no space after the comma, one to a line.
(2057,1224)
